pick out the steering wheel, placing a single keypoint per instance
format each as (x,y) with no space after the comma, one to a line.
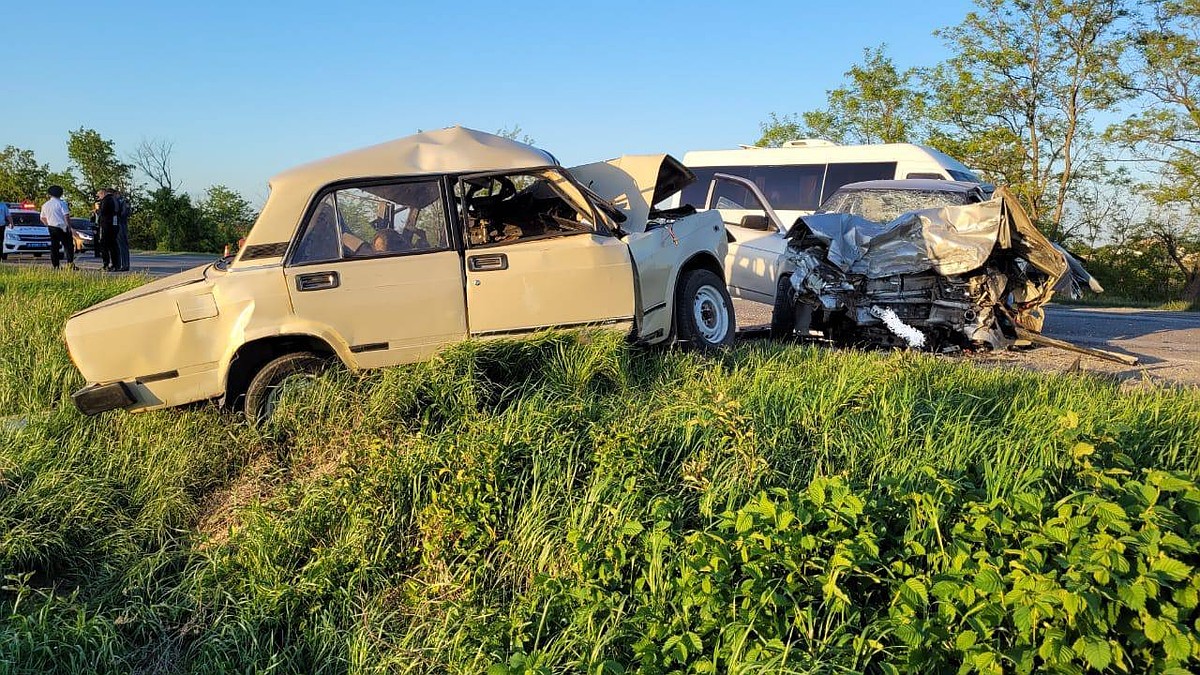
(507,189)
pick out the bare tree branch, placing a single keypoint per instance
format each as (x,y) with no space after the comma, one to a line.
(153,158)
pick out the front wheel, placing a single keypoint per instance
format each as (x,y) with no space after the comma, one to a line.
(263,394)
(783,314)
(704,311)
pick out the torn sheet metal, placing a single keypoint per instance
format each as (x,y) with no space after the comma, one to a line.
(946,240)
(960,276)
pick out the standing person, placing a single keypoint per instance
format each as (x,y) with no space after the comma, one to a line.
(5,221)
(57,217)
(98,250)
(123,212)
(106,224)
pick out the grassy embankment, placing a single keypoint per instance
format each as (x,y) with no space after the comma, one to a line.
(569,504)
(1108,300)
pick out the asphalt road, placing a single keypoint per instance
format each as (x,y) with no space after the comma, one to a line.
(154,264)
(1166,343)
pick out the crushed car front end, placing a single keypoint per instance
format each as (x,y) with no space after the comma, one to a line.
(943,279)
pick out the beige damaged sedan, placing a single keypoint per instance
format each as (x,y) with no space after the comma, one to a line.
(387,254)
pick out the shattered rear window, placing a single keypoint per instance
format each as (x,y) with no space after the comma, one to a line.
(883,206)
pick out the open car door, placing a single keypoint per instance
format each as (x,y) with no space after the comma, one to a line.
(756,235)
(537,256)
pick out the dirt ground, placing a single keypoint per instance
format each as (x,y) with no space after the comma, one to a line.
(1166,343)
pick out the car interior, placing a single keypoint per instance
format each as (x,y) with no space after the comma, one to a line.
(504,208)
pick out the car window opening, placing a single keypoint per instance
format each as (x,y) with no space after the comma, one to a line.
(374,221)
(502,209)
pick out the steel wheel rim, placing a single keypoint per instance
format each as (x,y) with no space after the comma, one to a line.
(710,314)
(275,392)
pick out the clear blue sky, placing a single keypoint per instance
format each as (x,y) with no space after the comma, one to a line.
(245,90)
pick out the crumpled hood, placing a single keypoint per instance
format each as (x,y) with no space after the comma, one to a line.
(635,183)
(192,276)
(947,240)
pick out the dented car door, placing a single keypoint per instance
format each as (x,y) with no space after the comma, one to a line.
(535,257)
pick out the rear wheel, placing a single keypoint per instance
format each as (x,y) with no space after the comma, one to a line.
(265,389)
(704,311)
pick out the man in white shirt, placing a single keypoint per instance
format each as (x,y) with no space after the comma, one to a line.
(57,217)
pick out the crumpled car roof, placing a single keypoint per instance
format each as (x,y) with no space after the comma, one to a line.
(451,150)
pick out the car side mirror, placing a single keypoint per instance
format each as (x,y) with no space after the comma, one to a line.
(755,222)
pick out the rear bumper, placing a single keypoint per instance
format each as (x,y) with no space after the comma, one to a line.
(97,398)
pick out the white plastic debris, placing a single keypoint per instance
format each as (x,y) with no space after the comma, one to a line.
(914,337)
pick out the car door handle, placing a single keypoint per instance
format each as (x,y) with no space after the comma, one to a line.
(487,262)
(317,281)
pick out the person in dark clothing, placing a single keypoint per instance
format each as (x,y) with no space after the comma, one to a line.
(122,220)
(106,223)
(98,250)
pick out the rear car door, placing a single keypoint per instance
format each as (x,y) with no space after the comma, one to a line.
(374,264)
(536,256)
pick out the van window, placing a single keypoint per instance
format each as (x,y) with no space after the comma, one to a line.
(843,174)
(965,176)
(931,176)
(786,187)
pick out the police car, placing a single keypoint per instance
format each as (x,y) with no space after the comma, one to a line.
(27,235)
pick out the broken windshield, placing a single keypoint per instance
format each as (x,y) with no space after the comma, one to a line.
(884,206)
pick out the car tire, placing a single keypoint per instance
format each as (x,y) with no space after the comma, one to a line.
(783,314)
(704,316)
(263,391)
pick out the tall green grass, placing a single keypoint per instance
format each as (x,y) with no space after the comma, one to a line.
(552,505)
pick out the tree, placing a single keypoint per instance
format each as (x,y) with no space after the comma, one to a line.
(515,133)
(21,177)
(1017,97)
(227,214)
(96,160)
(153,158)
(178,224)
(878,104)
(1165,133)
